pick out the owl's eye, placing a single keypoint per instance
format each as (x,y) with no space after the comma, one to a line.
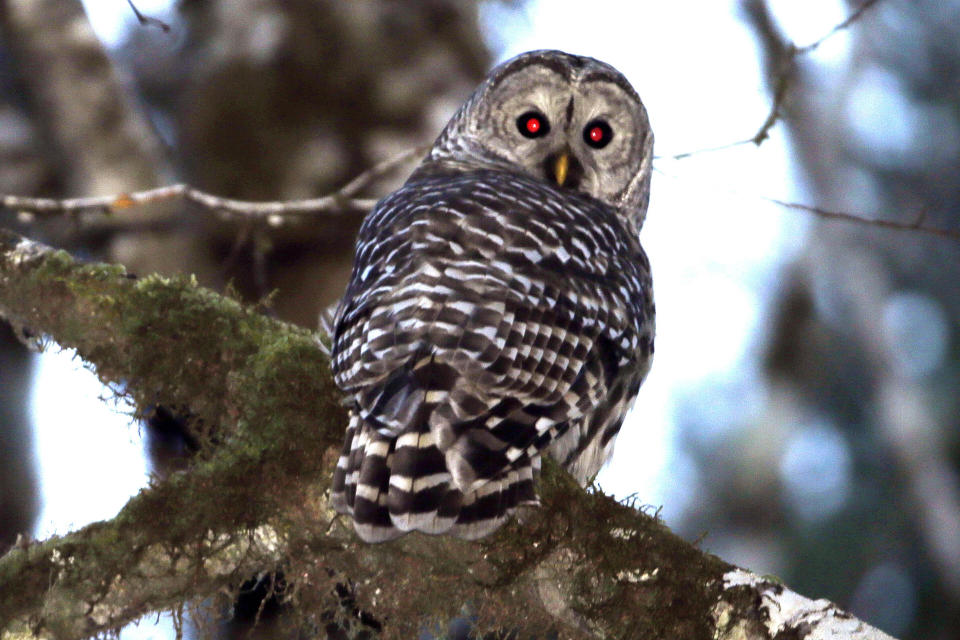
(597,134)
(533,124)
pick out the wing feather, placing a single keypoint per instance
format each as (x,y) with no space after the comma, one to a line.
(493,322)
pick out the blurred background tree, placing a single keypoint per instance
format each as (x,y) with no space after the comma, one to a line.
(834,467)
(846,479)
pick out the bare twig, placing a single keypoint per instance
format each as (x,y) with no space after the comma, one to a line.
(784,75)
(147,21)
(274,213)
(853,17)
(783,82)
(915,225)
(379,170)
(722,147)
(783,79)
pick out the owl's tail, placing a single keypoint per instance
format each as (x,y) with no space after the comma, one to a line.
(391,486)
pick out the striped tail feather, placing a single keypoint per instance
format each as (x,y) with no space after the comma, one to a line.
(360,482)
(487,508)
(391,486)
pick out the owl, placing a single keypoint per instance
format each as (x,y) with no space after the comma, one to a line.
(500,306)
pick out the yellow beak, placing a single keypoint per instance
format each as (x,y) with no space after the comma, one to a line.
(561,166)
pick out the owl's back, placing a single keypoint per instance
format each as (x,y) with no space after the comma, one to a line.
(490,318)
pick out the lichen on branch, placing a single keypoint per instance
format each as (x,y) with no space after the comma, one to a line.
(254,500)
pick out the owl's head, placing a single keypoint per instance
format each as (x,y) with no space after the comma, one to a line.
(570,120)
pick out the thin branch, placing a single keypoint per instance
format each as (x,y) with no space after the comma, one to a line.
(783,77)
(379,170)
(274,213)
(147,21)
(277,213)
(915,225)
(853,17)
(696,152)
(786,62)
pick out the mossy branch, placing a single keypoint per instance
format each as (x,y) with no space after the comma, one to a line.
(254,500)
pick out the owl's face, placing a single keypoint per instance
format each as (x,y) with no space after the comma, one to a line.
(573,121)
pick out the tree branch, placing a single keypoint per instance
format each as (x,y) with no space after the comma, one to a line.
(278,213)
(853,17)
(255,499)
(783,54)
(915,225)
(147,21)
(273,213)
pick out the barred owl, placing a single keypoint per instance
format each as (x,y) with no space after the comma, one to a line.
(500,307)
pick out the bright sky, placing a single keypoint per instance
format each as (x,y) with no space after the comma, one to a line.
(714,243)
(90,456)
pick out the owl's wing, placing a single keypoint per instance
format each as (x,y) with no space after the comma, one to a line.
(494,315)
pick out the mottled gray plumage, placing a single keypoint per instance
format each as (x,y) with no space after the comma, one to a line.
(494,315)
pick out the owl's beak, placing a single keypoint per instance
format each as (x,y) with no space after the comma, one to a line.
(563,169)
(561,166)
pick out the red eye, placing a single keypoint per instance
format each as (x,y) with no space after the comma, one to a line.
(597,134)
(533,124)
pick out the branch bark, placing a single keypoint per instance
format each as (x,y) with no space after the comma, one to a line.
(255,499)
(273,213)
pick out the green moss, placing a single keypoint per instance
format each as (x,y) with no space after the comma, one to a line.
(617,567)
(268,412)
